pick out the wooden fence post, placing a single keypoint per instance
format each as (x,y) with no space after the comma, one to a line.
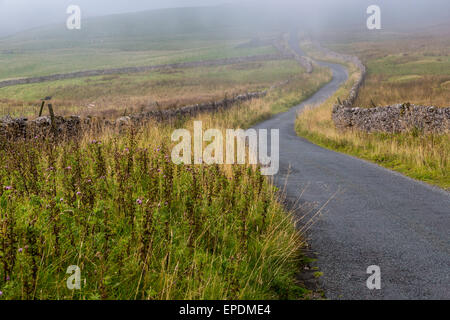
(42,108)
(52,117)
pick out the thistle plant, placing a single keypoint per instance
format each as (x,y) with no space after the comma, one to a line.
(137,225)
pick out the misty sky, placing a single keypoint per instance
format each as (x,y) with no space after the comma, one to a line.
(18,15)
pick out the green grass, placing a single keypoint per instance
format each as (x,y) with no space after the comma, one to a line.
(301,89)
(423,162)
(402,67)
(415,78)
(413,64)
(22,65)
(117,93)
(138,39)
(404,78)
(132,84)
(201,232)
(147,38)
(137,225)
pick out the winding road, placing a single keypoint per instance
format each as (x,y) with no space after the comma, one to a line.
(372,216)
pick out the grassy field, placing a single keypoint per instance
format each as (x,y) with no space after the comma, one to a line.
(141,227)
(21,64)
(115,205)
(404,68)
(138,39)
(137,225)
(113,95)
(135,39)
(420,156)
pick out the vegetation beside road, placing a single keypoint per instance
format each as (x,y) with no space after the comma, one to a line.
(138,226)
(141,227)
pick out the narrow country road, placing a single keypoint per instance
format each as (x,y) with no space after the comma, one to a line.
(373,217)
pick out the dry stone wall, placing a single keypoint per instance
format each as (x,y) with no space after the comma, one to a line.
(394,119)
(73,126)
(391,119)
(194,64)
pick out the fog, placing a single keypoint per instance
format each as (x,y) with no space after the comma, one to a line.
(19,15)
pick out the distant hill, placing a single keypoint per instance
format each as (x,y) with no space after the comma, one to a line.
(136,39)
(222,22)
(215,23)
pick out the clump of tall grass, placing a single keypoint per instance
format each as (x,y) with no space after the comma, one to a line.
(138,226)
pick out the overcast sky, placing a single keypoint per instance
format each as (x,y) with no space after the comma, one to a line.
(18,15)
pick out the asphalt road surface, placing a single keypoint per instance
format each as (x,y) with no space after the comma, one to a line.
(372,216)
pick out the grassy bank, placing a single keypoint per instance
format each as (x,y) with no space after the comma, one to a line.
(141,227)
(417,155)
